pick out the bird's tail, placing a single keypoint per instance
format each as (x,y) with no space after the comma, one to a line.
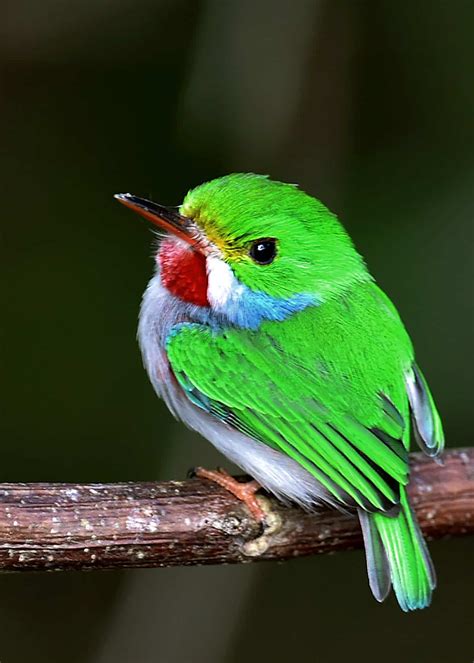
(397,554)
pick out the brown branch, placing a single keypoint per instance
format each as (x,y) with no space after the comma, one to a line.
(67,526)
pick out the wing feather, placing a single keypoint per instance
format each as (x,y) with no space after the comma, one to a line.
(426,420)
(233,379)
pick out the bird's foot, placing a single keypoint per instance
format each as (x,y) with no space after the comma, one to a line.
(245,492)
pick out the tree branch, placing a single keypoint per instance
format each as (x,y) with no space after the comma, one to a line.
(68,526)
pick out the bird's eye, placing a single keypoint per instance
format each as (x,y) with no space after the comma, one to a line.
(263,251)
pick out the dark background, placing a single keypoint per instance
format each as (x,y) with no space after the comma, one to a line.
(369,106)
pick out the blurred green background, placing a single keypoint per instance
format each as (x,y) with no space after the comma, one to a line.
(369,106)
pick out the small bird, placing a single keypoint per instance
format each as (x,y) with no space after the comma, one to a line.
(263,331)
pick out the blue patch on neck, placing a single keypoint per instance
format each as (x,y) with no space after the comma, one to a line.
(245,309)
(248,309)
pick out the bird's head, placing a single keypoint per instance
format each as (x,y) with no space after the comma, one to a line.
(251,248)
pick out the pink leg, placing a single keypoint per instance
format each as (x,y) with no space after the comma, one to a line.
(243,491)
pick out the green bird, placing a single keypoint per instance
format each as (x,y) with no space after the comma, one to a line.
(263,330)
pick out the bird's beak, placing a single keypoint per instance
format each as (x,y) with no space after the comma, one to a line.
(164,218)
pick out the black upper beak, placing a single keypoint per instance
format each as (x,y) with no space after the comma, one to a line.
(161,216)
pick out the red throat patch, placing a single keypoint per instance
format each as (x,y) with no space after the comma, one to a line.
(183,271)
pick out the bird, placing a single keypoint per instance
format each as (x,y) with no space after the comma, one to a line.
(263,330)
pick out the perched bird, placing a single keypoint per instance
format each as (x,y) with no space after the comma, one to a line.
(263,330)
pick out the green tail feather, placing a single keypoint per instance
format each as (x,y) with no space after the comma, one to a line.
(404,557)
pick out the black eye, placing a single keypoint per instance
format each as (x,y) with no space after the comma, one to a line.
(263,251)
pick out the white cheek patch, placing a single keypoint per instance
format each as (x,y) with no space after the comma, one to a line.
(222,286)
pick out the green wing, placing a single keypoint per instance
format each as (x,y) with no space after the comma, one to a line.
(331,398)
